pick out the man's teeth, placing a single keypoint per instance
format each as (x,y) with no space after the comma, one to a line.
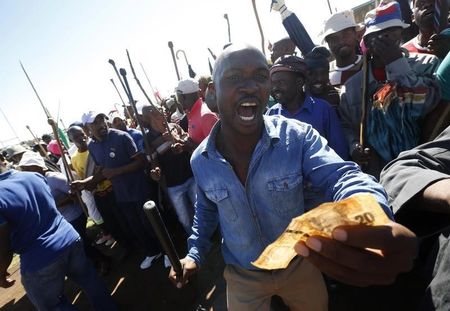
(248,111)
(247,118)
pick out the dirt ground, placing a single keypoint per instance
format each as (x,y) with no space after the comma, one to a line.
(134,289)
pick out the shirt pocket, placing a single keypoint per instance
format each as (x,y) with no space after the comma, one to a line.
(286,192)
(224,205)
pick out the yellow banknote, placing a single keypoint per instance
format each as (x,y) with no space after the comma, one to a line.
(321,221)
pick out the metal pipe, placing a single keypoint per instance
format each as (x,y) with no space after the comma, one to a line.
(154,217)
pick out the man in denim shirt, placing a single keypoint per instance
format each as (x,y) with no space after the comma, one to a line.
(249,173)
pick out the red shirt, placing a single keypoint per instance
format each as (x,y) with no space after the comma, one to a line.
(201,120)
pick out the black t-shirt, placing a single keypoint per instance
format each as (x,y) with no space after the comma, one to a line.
(175,167)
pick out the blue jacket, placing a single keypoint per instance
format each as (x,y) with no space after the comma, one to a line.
(253,216)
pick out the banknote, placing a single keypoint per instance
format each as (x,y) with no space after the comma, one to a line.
(321,221)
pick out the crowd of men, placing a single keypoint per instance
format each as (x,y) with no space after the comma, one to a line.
(245,151)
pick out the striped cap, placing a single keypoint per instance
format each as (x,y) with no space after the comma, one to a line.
(384,16)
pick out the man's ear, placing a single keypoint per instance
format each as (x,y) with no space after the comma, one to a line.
(212,89)
(300,82)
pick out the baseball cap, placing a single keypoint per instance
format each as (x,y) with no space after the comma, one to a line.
(90,116)
(187,86)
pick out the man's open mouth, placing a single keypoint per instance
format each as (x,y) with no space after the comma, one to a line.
(247,111)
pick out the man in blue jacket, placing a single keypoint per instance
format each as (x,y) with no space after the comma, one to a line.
(250,173)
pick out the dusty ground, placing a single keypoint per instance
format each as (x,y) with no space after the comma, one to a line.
(136,289)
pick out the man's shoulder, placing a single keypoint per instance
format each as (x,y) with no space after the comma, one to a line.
(320,102)
(79,155)
(206,112)
(134,132)
(13,176)
(352,82)
(422,58)
(118,135)
(198,154)
(280,126)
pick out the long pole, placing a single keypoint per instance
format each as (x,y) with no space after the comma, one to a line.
(174,60)
(259,27)
(329,7)
(118,76)
(364,99)
(38,143)
(123,73)
(63,125)
(52,123)
(212,54)
(121,99)
(228,25)
(11,127)
(138,82)
(151,86)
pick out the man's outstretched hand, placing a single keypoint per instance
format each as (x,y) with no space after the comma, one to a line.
(362,255)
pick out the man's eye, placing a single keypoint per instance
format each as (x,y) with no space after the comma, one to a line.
(262,77)
(234,78)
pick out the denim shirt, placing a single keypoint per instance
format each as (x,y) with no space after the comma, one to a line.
(253,216)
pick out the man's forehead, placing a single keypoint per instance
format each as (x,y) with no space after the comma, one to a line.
(245,58)
(423,2)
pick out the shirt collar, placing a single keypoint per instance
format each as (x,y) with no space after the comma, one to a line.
(93,139)
(6,174)
(308,104)
(196,106)
(270,135)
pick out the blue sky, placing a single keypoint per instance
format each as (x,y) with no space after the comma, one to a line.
(65,46)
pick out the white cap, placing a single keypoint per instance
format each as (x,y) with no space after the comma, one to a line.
(187,86)
(31,158)
(14,150)
(90,116)
(337,22)
(115,114)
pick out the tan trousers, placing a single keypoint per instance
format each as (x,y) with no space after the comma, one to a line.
(300,285)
